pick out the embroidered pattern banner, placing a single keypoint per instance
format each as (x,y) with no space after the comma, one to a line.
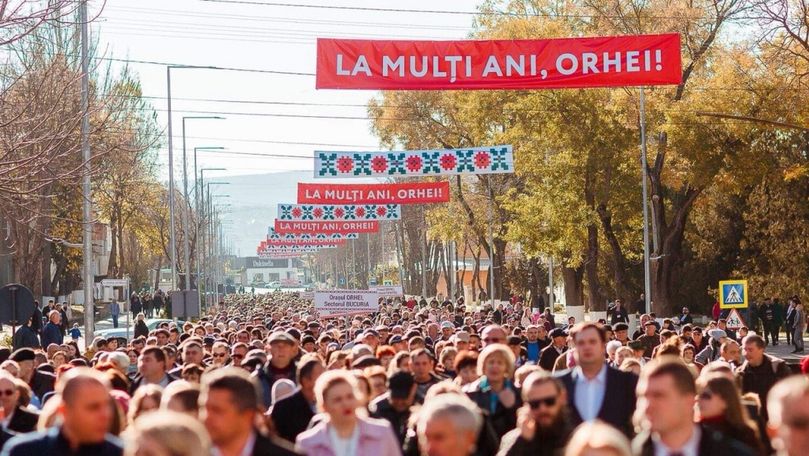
(397,193)
(609,61)
(329,212)
(476,160)
(297,227)
(274,235)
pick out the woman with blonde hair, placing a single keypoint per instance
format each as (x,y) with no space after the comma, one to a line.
(146,399)
(494,392)
(597,438)
(167,433)
(344,431)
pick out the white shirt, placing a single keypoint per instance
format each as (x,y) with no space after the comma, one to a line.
(690,448)
(589,394)
(344,447)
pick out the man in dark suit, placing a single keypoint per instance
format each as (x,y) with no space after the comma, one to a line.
(291,415)
(668,390)
(558,346)
(85,416)
(595,390)
(41,382)
(229,402)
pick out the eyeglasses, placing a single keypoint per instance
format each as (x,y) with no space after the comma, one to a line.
(237,356)
(546,401)
(6,393)
(220,355)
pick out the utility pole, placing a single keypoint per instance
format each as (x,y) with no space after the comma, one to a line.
(172,244)
(647,280)
(87,209)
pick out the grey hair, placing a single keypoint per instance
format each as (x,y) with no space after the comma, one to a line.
(457,407)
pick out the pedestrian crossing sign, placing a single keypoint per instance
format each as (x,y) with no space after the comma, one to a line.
(733,294)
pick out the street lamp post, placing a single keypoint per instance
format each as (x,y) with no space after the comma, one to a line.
(204,229)
(173,245)
(187,207)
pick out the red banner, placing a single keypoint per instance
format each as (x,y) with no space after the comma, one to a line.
(611,61)
(402,193)
(362,226)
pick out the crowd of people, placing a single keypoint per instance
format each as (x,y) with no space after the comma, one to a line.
(263,375)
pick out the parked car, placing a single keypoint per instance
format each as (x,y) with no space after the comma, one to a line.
(151,323)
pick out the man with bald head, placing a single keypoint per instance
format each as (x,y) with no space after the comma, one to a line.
(492,334)
(85,414)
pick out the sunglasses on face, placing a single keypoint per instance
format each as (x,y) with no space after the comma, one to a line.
(546,401)
(6,393)
(220,355)
(237,356)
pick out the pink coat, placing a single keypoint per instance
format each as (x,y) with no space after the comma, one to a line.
(376,438)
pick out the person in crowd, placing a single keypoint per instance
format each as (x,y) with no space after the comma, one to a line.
(595,390)
(343,432)
(167,433)
(152,369)
(141,329)
(798,325)
(146,399)
(668,394)
(229,404)
(181,397)
(650,339)
(543,423)
(52,332)
(291,415)
(281,364)
(619,313)
(40,381)
(394,405)
(558,346)
(598,438)
(85,417)
(760,371)
(25,337)
(17,419)
(494,392)
(535,342)
(788,410)
(449,425)
(730,353)
(719,408)
(422,364)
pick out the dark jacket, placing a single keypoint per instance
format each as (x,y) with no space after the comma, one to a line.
(36,320)
(25,337)
(267,378)
(51,334)
(42,383)
(266,446)
(141,329)
(23,420)
(710,443)
(547,357)
(549,443)
(291,416)
(382,409)
(619,398)
(619,316)
(761,379)
(502,419)
(52,443)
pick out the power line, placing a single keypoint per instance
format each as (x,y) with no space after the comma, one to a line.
(265,19)
(431,11)
(288,143)
(205,67)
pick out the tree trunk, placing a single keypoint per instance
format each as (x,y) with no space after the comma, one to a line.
(573,291)
(618,258)
(112,269)
(665,266)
